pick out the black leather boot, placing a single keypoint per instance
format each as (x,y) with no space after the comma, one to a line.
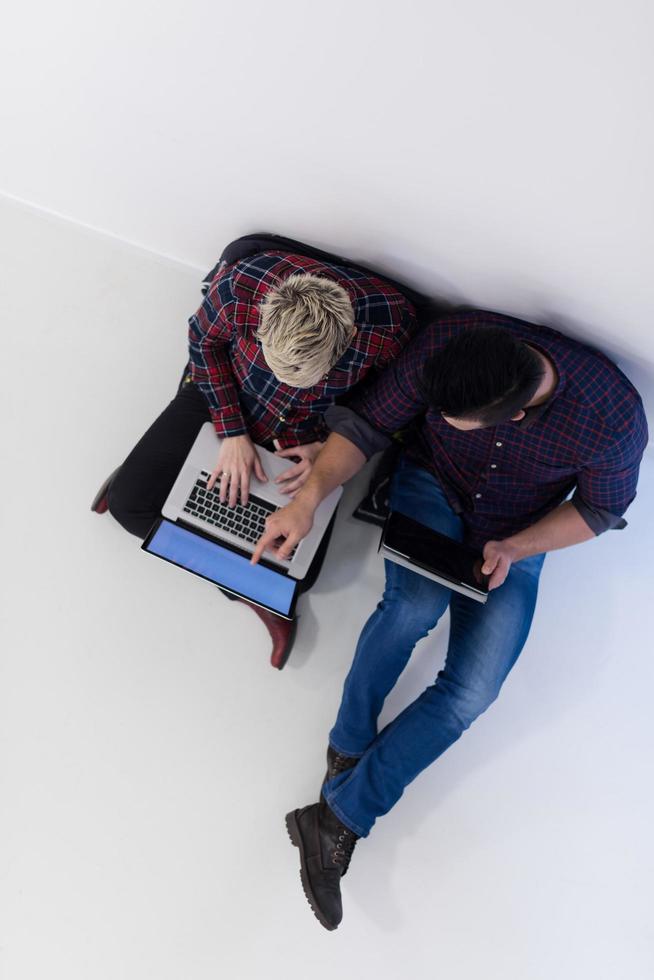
(100,503)
(282,631)
(326,847)
(337,763)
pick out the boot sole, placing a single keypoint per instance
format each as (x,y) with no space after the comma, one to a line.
(296,841)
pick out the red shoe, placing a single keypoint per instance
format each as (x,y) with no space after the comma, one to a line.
(100,503)
(282,633)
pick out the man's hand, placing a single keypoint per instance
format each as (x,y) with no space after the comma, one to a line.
(287,527)
(561,528)
(498,558)
(236,460)
(338,461)
(296,476)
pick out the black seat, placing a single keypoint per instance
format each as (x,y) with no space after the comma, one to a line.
(242,248)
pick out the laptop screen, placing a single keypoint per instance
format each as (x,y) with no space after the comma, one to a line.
(222,566)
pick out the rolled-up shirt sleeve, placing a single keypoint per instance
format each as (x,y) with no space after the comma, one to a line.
(391,403)
(398,396)
(606,485)
(345,422)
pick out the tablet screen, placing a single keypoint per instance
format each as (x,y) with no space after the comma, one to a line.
(222,566)
(435,552)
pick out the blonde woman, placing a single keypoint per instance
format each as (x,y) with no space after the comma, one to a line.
(278,339)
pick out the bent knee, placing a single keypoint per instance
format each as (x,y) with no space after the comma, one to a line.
(410,620)
(128,508)
(467,703)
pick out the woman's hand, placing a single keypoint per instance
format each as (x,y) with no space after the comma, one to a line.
(294,477)
(236,460)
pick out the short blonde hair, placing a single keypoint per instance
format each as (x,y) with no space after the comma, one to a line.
(307,324)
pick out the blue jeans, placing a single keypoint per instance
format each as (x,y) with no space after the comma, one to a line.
(485,641)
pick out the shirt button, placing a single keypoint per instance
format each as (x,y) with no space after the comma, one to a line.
(493,466)
(498,444)
(478,496)
(282,418)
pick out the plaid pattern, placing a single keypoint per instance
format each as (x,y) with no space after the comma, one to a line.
(228,365)
(590,435)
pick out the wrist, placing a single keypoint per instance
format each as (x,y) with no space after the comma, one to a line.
(517,547)
(308,499)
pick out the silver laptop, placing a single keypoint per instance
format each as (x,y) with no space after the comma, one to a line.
(189,502)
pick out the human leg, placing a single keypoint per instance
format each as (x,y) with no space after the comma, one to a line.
(141,485)
(485,642)
(138,489)
(410,607)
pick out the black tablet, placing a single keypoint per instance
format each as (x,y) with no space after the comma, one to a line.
(429,553)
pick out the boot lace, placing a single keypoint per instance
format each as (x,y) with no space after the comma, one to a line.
(342,853)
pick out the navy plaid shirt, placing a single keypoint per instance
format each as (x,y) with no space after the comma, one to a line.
(227,362)
(589,437)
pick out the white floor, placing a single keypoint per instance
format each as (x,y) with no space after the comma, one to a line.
(149,752)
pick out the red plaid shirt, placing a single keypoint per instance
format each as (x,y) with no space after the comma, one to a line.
(227,362)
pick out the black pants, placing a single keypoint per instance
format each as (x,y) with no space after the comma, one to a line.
(140,488)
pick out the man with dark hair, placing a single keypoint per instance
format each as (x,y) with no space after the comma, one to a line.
(484,376)
(513,418)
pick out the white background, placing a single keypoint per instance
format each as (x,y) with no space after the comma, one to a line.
(499,154)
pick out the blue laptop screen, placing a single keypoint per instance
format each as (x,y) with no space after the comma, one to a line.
(222,566)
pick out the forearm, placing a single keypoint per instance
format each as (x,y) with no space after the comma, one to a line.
(561,528)
(339,460)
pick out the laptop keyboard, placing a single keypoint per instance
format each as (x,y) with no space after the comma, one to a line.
(247,523)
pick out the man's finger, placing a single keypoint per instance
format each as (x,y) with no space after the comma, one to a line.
(489,566)
(289,451)
(268,536)
(212,479)
(498,576)
(291,473)
(294,486)
(285,549)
